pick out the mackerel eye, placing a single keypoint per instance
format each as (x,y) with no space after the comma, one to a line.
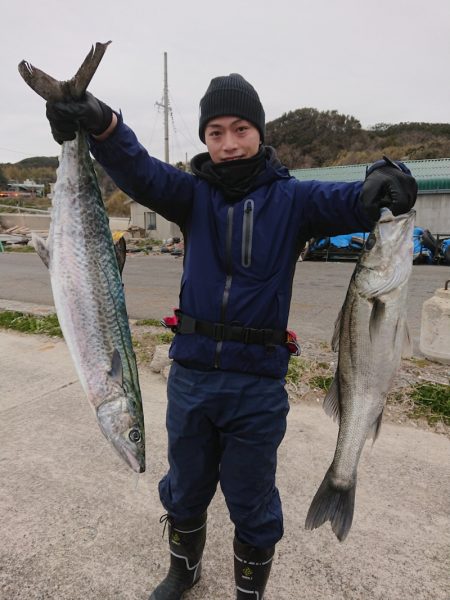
(371,240)
(135,435)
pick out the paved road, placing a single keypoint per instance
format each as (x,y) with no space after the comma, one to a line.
(76,524)
(152,284)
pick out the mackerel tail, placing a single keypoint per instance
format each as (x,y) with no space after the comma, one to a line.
(57,91)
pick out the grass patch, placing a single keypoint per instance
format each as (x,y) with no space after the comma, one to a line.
(296,369)
(44,325)
(145,342)
(322,382)
(314,375)
(419,362)
(18,248)
(432,401)
(153,322)
(164,338)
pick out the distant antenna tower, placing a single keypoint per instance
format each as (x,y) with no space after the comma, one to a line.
(165,105)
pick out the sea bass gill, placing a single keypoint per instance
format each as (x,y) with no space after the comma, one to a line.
(371,334)
(85,279)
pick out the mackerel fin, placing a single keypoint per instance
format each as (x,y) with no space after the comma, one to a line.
(56,91)
(120,248)
(41,248)
(116,371)
(331,402)
(334,505)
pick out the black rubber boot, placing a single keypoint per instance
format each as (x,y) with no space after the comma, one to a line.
(186,543)
(251,570)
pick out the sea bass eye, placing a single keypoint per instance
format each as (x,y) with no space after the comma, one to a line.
(135,435)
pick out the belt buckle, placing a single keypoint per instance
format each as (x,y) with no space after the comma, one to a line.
(218,332)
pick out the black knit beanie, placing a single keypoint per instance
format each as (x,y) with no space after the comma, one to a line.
(231,95)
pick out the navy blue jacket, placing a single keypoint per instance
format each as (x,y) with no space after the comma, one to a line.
(240,257)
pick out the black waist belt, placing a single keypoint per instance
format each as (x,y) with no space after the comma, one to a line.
(232,333)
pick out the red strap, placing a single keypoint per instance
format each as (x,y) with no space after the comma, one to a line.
(170,322)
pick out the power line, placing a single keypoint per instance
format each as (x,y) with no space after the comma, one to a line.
(188,138)
(16,151)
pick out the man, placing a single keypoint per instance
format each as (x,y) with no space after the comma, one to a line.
(244,221)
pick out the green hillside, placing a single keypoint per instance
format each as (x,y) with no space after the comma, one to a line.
(307,138)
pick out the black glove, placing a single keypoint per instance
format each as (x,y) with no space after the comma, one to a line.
(390,187)
(88,113)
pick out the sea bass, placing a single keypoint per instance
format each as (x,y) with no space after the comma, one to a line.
(371,333)
(86,283)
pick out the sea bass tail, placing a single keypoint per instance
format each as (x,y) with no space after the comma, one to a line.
(334,505)
(56,91)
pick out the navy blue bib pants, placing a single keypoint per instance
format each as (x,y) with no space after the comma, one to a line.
(225,426)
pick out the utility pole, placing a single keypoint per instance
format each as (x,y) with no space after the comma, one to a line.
(165,105)
(166,111)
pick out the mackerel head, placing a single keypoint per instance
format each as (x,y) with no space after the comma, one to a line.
(85,278)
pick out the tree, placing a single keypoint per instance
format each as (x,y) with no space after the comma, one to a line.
(312,136)
(3,180)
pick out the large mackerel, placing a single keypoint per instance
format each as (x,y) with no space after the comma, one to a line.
(85,279)
(371,333)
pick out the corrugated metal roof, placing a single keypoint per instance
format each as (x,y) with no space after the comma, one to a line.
(432,175)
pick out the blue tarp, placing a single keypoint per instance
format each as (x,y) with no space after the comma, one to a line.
(445,245)
(445,251)
(352,241)
(420,252)
(355,242)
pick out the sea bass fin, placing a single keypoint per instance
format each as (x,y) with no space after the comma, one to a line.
(375,429)
(41,248)
(376,318)
(56,91)
(116,371)
(334,505)
(336,332)
(407,348)
(331,402)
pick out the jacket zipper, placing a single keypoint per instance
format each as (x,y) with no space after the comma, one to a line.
(229,278)
(247,233)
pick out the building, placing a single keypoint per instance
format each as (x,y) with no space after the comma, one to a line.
(154,225)
(433,178)
(28,187)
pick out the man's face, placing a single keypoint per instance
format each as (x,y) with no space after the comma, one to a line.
(231,138)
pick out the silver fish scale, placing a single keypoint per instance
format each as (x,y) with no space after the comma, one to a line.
(371,330)
(85,277)
(86,282)
(366,368)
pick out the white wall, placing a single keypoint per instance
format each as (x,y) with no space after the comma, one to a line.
(433,212)
(164,229)
(42,222)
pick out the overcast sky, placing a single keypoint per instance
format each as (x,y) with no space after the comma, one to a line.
(384,61)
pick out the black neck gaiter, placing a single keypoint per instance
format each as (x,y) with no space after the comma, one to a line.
(234,178)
